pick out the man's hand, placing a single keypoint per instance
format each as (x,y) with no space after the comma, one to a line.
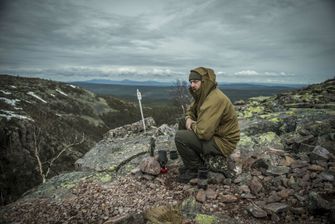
(189,123)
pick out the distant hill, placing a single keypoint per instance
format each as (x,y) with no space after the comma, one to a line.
(161,92)
(259,86)
(127,82)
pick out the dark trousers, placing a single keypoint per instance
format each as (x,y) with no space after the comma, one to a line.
(191,148)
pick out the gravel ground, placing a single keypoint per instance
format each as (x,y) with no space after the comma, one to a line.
(93,202)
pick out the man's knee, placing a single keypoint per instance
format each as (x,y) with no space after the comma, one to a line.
(184,136)
(210,148)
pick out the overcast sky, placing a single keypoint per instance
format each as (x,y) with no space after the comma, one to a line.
(276,41)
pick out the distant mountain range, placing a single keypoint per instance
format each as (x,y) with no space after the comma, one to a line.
(127,82)
(161,92)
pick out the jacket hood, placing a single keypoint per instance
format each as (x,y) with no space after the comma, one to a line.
(207,85)
(206,73)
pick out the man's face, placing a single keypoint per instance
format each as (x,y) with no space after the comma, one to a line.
(195,84)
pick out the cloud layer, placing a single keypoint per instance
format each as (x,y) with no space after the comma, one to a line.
(243,40)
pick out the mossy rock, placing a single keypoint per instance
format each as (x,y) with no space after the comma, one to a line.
(205,219)
(190,207)
(103,177)
(307,97)
(272,117)
(252,111)
(60,186)
(245,141)
(269,139)
(246,146)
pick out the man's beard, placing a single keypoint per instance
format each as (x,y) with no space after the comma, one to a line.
(194,89)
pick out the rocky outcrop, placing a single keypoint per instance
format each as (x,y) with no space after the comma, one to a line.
(119,146)
(283,171)
(40,118)
(288,140)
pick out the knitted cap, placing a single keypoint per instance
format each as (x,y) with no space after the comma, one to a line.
(194,76)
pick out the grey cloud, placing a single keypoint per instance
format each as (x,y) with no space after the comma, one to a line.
(289,36)
(115,73)
(78,32)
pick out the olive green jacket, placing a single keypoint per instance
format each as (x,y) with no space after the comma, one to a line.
(214,114)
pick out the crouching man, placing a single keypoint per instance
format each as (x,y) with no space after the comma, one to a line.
(210,126)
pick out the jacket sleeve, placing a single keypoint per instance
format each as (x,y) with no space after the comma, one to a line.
(208,119)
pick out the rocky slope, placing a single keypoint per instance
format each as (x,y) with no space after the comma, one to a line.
(42,117)
(283,171)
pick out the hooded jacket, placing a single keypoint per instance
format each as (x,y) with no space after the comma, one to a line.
(214,114)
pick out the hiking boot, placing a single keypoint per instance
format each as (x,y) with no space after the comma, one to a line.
(220,164)
(186,175)
(203,178)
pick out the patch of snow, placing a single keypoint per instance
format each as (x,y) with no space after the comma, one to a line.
(18,108)
(27,101)
(11,114)
(13,87)
(10,101)
(5,92)
(61,92)
(59,115)
(73,86)
(37,97)
(53,95)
